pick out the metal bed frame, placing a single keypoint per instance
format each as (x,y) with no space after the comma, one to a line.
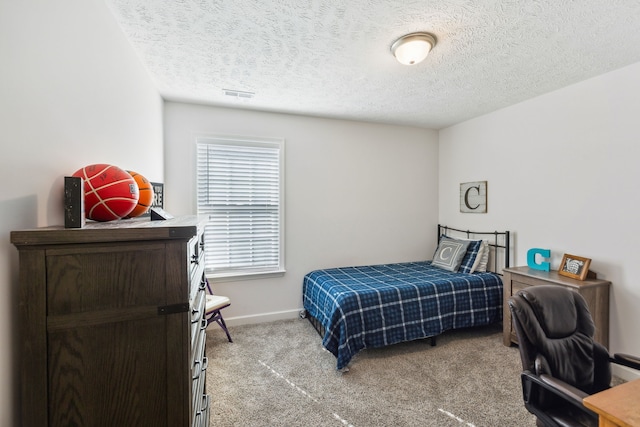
(496,244)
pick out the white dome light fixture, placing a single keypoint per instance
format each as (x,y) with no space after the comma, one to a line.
(413,48)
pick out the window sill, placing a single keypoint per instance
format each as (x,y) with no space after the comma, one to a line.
(234,277)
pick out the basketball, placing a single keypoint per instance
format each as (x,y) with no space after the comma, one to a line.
(110,193)
(145,191)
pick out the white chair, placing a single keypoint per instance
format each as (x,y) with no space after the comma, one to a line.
(213,306)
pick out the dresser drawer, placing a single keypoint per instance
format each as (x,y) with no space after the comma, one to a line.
(198,386)
(518,286)
(196,253)
(197,283)
(197,319)
(202,416)
(198,355)
(515,287)
(195,402)
(200,402)
(194,249)
(81,279)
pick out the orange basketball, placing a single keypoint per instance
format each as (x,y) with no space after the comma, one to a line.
(109,192)
(146,195)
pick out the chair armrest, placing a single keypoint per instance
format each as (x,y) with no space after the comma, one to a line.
(566,389)
(626,360)
(558,387)
(563,391)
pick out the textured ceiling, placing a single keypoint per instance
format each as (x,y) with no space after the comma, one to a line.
(332,58)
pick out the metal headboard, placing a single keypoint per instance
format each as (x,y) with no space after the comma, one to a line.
(495,243)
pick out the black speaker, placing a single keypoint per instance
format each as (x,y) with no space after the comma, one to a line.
(73,202)
(159,214)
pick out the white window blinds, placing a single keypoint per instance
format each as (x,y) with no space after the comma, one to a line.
(239,185)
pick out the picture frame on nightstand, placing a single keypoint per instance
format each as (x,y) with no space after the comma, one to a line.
(574,266)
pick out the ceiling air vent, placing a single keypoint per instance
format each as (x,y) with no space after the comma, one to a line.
(240,94)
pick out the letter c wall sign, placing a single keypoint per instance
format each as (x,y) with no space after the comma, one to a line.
(473,197)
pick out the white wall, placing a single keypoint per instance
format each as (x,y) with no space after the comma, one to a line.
(356,193)
(72,92)
(562,172)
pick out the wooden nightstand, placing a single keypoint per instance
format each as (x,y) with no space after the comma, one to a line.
(594,291)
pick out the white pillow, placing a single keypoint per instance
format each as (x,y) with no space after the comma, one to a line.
(482,259)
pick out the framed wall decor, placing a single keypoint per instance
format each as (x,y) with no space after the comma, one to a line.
(158,195)
(473,197)
(574,266)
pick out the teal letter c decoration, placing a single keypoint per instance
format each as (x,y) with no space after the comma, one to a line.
(531,259)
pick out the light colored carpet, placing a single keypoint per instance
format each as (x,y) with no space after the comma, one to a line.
(278,374)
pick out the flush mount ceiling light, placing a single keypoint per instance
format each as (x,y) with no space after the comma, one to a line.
(413,48)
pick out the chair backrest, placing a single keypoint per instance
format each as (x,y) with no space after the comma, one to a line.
(555,334)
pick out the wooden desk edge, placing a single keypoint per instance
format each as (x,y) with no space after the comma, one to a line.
(628,389)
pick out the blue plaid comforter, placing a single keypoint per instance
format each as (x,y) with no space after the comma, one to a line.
(375,306)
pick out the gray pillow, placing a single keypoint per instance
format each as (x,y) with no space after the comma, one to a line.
(449,254)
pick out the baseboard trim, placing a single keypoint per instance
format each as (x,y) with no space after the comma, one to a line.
(624,372)
(263,317)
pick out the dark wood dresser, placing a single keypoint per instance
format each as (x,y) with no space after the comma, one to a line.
(111,327)
(594,291)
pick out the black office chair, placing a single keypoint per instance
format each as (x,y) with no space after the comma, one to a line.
(561,362)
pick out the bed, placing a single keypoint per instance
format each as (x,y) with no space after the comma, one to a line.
(359,307)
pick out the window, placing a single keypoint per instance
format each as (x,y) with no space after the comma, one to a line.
(240,188)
